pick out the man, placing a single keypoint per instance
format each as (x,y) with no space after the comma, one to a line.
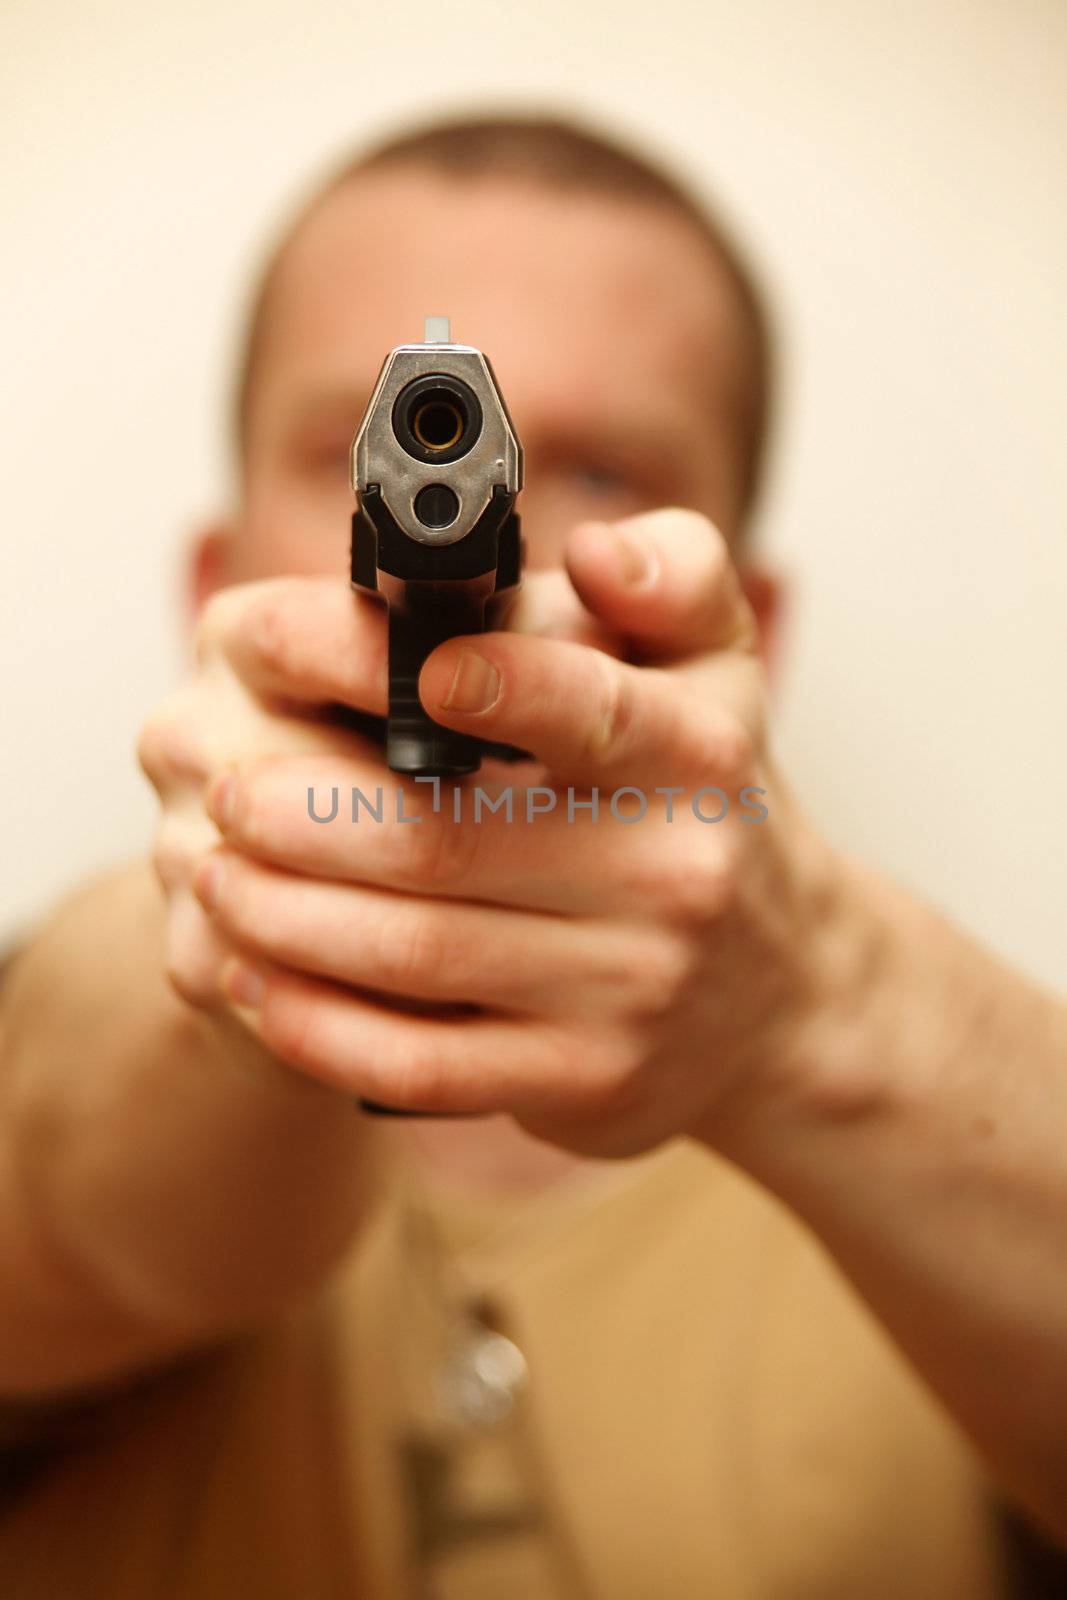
(308,1352)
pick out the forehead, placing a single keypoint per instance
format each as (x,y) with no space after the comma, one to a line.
(573,295)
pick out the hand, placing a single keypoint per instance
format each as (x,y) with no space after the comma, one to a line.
(257,691)
(608,982)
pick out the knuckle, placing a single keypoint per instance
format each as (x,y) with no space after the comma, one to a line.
(696,889)
(417,1078)
(272,632)
(292,1027)
(411,949)
(214,624)
(616,710)
(252,820)
(433,853)
(706,557)
(240,905)
(617,1097)
(191,957)
(665,973)
(180,981)
(684,526)
(609,1081)
(186,985)
(168,745)
(172,852)
(151,750)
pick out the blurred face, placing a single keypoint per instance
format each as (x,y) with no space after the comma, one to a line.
(613,335)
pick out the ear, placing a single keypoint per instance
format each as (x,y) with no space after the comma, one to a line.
(210,565)
(766,593)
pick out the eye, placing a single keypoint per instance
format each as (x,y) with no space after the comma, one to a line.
(597,478)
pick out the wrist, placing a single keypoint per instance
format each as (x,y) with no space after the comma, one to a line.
(828,1053)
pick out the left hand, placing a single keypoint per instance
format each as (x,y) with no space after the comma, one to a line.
(609,982)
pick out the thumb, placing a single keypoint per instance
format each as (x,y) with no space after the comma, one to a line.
(545,605)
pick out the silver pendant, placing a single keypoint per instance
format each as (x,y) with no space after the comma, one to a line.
(481,1378)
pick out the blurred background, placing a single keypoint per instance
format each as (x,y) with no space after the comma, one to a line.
(897,171)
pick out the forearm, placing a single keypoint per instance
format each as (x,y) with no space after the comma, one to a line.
(163,1180)
(922,1138)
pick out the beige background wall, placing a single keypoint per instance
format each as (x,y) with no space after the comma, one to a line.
(898,167)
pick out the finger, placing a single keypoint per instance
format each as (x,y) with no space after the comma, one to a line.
(196,951)
(191,733)
(665,580)
(534,962)
(408,1061)
(545,605)
(542,850)
(308,640)
(589,718)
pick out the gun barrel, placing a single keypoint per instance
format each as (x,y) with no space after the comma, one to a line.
(437,468)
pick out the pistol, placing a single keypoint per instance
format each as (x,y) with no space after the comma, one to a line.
(437,469)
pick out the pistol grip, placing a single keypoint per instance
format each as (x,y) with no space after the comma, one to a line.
(423,615)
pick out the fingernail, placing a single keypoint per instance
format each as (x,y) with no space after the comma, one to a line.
(475,684)
(222,800)
(635,559)
(207,882)
(243,984)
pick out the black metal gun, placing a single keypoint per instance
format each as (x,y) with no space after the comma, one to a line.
(437,468)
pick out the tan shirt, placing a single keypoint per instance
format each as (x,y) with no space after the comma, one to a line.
(711,1412)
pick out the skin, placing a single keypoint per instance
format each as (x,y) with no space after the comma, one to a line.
(586,990)
(609,425)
